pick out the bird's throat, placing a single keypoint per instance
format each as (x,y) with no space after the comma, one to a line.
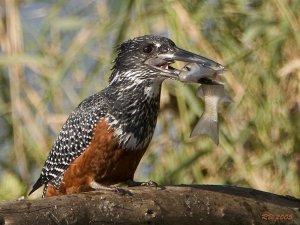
(133,113)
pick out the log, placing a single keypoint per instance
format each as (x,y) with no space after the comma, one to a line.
(182,204)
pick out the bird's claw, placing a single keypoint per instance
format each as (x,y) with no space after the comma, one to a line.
(150,183)
(120,191)
(132,183)
(96,186)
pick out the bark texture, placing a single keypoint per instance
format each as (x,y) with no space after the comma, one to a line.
(182,204)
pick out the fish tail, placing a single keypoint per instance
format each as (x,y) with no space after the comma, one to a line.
(207,126)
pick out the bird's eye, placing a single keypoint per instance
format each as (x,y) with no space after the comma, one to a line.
(148,48)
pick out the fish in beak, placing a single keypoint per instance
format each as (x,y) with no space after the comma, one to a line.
(211,91)
(198,73)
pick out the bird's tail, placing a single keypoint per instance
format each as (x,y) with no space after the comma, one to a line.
(207,126)
(37,185)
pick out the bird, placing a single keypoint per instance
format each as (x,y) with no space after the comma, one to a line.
(105,136)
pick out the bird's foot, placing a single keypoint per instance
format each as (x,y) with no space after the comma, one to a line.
(150,183)
(96,186)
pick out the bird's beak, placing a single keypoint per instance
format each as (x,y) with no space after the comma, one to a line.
(185,56)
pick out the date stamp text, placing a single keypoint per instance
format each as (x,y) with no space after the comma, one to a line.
(271,216)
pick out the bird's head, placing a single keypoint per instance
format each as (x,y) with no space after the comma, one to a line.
(150,57)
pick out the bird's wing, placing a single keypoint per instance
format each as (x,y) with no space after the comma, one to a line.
(73,139)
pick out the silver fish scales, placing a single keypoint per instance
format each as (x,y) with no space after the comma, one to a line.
(212,92)
(208,122)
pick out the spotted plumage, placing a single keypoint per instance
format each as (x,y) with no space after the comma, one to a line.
(105,137)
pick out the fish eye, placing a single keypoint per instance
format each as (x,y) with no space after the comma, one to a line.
(148,48)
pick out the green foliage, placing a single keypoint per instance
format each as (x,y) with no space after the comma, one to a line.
(63,51)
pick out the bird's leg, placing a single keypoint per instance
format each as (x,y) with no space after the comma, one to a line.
(150,183)
(96,186)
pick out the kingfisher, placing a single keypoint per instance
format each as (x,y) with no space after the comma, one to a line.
(104,138)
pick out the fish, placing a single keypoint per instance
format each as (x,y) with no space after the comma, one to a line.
(211,91)
(208,122)
(199,73)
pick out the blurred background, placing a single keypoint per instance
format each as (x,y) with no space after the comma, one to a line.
(53,54)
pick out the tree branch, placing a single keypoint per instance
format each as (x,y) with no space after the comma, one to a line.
(183,204)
